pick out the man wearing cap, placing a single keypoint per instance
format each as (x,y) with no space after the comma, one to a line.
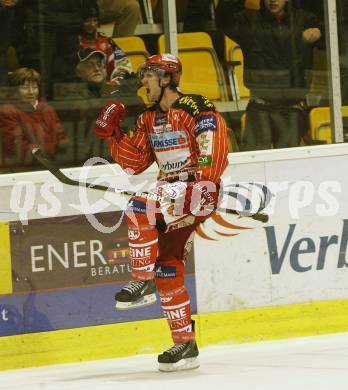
(92,71)
(116,62)
(91,67)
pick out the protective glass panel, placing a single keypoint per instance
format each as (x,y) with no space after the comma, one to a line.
(278,73)
(61,61)
(342,19)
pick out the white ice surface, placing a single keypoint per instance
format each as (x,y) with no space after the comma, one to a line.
(318,363)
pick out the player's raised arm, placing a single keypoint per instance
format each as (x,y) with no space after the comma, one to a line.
(130,153)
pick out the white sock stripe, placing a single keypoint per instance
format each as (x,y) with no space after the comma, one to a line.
(175,306)
(187,328)
(148,268)
(142,245)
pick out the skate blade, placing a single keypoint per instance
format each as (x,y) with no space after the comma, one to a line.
(147,300)
(181,365)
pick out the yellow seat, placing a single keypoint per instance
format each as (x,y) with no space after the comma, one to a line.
(320,123)
(242,126)
(107,29)
(232,143)
(135,49)
(252,4)
(190,40)
(202,72)
(234,56)
(136,52)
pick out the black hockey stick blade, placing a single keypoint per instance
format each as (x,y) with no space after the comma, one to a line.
(261,217)
(264,218)
(51,167)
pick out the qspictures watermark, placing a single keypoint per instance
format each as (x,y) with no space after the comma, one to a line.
(48,199)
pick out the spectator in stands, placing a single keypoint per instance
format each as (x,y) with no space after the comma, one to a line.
(48,38)
(28,121)
(125,14)
(225,9)
(116,61)
(317,7)
(277,42)
(91,71)
(7,9)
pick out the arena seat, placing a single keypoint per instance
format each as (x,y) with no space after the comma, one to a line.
(235,69)
(320,123)
(107,29)
(252,4)
(136,51)
(232,142)
(189,40)
(202,71)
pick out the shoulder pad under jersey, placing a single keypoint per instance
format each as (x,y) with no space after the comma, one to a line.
(151,108)
(147,109)
(194,104)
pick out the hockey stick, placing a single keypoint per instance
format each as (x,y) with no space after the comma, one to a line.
(52,168)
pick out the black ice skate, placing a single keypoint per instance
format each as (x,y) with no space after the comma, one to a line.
(182,356)
(136,294)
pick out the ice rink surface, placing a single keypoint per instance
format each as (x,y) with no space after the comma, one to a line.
(318,363)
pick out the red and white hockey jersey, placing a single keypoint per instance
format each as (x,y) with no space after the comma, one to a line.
(190,137)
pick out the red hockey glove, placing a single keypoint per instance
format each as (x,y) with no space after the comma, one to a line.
(108,122)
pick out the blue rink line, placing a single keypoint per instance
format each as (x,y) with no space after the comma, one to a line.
(73,308)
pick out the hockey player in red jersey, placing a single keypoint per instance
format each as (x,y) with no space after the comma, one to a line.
(187,138)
